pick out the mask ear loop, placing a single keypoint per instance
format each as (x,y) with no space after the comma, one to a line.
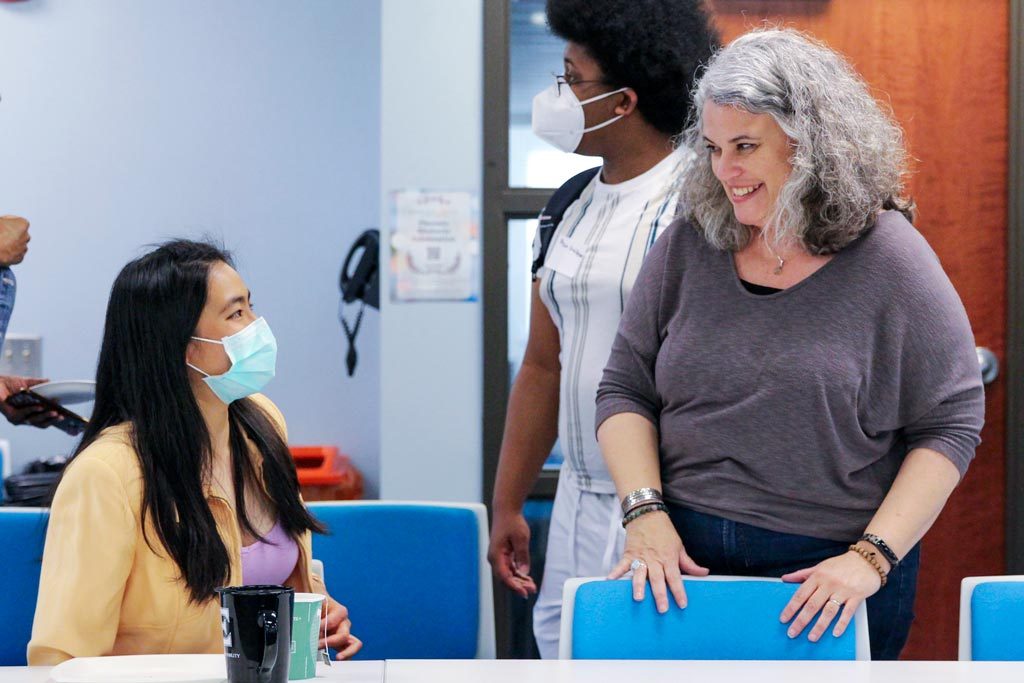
(601,97)
(204,373)
(602,125)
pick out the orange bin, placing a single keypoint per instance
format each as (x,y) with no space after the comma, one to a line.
(326,474)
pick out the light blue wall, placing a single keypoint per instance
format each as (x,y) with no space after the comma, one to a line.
(431,137)
(256,121)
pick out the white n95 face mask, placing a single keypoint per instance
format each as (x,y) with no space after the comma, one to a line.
(558,116)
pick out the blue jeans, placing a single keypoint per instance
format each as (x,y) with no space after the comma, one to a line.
(8,289)
(727,547)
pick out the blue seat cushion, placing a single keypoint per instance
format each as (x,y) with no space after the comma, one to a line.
(997,621)
(408,574)
(722,620)
(22,535)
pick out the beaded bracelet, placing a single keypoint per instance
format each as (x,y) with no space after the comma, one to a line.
(641,511)
(887,552)
(869,557)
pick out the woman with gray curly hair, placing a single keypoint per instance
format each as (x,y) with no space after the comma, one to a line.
(793,369)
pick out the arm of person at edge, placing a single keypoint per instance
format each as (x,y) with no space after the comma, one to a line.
(918,494)
(629,444)
(531,427)
(37,416)
(14,239)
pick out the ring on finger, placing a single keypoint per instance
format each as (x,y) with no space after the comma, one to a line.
(835,602)
(637,564)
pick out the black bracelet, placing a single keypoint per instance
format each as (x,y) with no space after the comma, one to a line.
(643,510)
(883,548)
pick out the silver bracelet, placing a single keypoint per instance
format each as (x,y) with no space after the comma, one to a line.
(639,497)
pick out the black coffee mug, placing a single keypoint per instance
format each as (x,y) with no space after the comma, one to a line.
(256,622)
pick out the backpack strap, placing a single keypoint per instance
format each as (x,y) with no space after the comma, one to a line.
(553,211)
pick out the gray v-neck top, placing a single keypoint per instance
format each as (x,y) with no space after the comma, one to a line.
(793,411)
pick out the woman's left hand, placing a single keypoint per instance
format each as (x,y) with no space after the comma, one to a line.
(339,631)
(833,587)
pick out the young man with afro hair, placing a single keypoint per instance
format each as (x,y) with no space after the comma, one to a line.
(624,96)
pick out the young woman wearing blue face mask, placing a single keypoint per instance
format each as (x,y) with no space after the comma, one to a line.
(183,481)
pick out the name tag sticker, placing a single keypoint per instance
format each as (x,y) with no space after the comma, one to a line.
(565,257)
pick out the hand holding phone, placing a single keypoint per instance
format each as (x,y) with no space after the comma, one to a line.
(60,417)
(36,415)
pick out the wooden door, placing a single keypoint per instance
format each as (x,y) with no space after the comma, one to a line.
(943,65)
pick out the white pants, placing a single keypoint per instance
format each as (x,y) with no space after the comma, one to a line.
(585,539)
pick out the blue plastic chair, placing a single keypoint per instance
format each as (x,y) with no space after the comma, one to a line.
(991,618)
(726,617)
(414,577)
(22,535)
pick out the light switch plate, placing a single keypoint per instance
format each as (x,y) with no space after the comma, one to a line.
(22,355)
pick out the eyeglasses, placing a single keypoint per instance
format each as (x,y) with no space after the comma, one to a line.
(563,79)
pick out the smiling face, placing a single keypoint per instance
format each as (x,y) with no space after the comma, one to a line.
(750,157)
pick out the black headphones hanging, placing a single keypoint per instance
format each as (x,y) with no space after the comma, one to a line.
(363,285)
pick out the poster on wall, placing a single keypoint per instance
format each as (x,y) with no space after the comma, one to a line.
(435,246)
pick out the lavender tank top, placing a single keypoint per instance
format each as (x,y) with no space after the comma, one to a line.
(271,562)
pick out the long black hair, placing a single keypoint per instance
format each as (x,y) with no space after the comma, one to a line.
(141,379)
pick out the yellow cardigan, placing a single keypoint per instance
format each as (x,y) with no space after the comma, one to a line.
(103,590)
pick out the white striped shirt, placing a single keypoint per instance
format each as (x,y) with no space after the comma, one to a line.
(603,238)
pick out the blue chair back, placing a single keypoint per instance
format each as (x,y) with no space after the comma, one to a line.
(725,618)
(410,575)
(994,611)
(22,535)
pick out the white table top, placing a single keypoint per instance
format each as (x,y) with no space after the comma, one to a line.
(350,672)
(565,671)
(555,671)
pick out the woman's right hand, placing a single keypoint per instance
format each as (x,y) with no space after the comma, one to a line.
(337,628)
(653,540)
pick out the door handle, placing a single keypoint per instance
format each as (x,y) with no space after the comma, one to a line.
(989,364)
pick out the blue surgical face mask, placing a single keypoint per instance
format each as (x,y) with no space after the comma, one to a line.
(253,355)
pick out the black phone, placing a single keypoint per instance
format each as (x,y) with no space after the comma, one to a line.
(363,283)
(68,421)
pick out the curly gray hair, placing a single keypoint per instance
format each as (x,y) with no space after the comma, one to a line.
(848,158)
